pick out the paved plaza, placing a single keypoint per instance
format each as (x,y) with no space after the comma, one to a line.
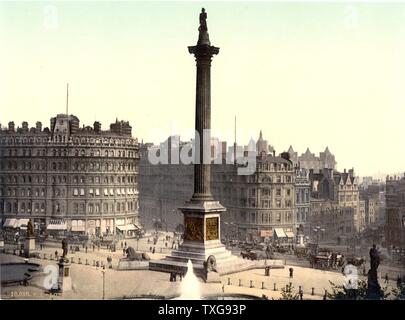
(87,280)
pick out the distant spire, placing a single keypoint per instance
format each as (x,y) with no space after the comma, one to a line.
(261,135)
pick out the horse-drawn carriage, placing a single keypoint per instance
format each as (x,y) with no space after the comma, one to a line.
(301,252)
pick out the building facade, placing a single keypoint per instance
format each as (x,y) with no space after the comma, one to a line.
(308,160)
(257,204)
(68,178)
(339,205)
(302,201)
(395,214)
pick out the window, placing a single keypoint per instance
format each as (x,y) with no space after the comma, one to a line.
(82,192)
(278,192)
(288,192)
(97,192)
(91,191)
(278,179)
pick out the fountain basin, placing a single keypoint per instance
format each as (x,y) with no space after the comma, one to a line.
(16,272)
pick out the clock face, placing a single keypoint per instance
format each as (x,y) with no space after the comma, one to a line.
(193,229)
(211,231)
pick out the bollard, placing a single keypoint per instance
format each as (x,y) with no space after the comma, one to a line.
(274,287)
(45,256)
(229,281)
(80,261)
(87,262)
(326,292)
(240,282)
(262,285)
(251,283)
(313,292)
(72,260)
(51,257)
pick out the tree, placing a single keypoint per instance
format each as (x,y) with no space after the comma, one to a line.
(399,292)
(288,294)
(340,292)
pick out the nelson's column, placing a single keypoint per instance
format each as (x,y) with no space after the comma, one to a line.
(202,244)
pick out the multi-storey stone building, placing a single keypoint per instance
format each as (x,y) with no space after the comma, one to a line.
(302,201)
(258,206)
(395,219)
(340,209)
(68,178)
(308,160)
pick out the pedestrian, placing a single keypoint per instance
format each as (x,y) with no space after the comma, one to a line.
(291,272)
(399,281)
(150,249)
(166,244)
(86,249)
(181,276)
(301,294)
(386,278)
(122,245)
(94,247)
(153,251)
(56,254)
(364,271)
(123,251)
(125,244)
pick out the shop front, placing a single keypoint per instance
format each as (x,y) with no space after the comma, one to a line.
(56,228)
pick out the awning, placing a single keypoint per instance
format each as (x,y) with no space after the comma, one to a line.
(57,225)
(9,223)
(21,223)
(280,233)
(266,233)
(127,227)
(289,234)
(78,229)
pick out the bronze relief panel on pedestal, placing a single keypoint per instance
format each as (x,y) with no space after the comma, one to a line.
(193,229)
(212,229)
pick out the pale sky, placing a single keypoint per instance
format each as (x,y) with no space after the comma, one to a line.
(310,75)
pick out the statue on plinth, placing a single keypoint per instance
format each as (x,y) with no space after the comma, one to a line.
(203,21)
(30,229)
(203,37)
(64,248)
(373,287)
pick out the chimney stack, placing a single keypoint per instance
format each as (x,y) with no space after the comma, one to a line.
(11,126)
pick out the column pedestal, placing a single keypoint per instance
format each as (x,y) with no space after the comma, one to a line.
(29,247)
(64,279)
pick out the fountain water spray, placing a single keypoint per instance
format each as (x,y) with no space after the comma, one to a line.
(190,286)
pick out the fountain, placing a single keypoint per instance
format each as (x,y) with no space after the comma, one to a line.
(190,286)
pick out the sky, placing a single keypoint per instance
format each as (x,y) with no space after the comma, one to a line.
(306,74)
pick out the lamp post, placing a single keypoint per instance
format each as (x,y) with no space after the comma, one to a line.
(317,231)
(103,272)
